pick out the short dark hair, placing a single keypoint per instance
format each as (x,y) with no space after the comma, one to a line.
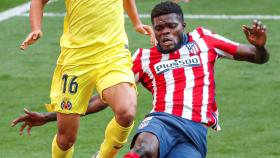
(167,7)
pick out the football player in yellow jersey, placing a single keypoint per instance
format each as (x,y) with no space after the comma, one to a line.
(94,55)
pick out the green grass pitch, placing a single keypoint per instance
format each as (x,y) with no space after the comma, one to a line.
(248,95)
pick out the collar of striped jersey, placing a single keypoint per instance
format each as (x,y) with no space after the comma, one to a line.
(184,41)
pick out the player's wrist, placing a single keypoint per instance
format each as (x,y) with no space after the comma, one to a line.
(260,47)
(137,27)
(49,117)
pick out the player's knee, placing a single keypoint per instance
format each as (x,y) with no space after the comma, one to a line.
(145,149)
(146,145)
(65,142)
(126,113)
(125,118)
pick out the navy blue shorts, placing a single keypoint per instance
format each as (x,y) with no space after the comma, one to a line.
(178,137)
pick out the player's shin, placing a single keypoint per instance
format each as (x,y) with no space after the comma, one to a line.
(115,137)
(59,153)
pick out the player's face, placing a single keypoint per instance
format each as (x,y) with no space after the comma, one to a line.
(168,30)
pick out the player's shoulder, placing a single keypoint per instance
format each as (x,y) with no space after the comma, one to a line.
(200,32)
(139,52)
(144,52)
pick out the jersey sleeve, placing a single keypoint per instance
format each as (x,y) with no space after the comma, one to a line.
(222,46)
(136,59)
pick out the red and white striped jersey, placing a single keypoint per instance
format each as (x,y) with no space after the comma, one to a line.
(182,83)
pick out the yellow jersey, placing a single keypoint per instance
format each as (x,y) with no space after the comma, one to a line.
(91,27)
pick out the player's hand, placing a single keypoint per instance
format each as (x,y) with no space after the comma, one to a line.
(29,120)
(256,34)
(147,30)
(31,38)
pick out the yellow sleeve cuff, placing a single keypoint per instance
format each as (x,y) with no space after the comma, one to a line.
(50,107)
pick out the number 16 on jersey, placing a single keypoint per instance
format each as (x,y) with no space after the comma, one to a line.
(72,87)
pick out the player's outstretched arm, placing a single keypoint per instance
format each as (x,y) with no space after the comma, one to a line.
(131,10)
(31,119)
(95,105)
(36,15)
(256,52)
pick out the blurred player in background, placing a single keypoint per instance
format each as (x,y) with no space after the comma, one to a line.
(179,72)
(94,55)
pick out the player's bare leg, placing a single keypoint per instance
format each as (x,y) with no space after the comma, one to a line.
(146,145)
(63,143)
(122,99)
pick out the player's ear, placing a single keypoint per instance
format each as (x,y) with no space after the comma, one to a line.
(184,25)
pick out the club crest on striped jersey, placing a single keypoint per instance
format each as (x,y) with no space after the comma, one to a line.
(168,65)
(190,45)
